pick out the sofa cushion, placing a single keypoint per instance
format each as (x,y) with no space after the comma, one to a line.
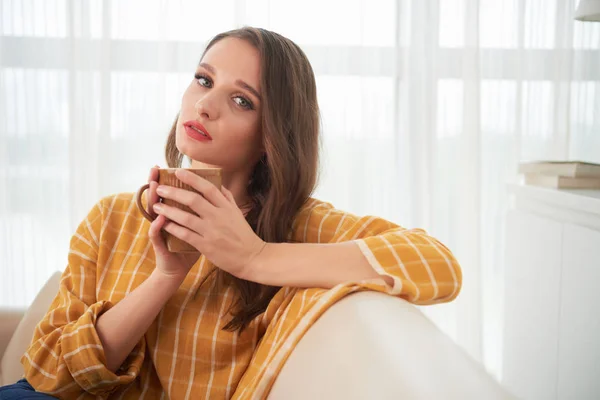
(370,345)
(9,319)
(11,369)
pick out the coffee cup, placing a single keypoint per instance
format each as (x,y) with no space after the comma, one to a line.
(166,176)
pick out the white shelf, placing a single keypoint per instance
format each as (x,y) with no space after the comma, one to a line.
(551,271)
(580,207)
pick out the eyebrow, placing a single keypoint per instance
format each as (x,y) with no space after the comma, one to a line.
(238,82)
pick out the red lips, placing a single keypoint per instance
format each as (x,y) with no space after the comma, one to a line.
(197,130)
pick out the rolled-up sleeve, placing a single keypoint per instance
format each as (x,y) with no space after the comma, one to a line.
(66,356)
(422,269)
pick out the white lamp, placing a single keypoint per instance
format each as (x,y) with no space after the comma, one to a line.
(588,10)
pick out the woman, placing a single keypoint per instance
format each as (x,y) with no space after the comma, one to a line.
(132,320)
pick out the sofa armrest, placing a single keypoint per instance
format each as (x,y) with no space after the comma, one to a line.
(10,367)
(374,346)
(9,319)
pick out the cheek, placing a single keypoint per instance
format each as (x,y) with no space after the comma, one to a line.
(252,132)
(247,135)
(187,101)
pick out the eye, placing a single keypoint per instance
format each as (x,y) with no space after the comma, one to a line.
(203,80)
(243,102)
(206,82)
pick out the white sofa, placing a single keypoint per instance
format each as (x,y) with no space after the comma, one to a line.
(367,346)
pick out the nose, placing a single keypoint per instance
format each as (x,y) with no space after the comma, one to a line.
(207,107)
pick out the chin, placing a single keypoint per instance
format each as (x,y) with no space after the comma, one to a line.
(208,162)
(200,155)
(184,146)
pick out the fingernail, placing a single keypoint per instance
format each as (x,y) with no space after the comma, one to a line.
(157,206)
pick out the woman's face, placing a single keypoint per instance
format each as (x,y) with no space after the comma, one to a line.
(223,101)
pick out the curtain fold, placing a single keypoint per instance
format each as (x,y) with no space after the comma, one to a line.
(427,106)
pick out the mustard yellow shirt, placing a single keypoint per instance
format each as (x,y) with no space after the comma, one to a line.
(184,354)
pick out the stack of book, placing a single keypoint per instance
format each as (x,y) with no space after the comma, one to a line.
(561,174)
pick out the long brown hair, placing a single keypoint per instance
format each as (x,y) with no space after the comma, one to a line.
(286,175)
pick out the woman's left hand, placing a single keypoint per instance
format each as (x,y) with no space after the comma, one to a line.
(219,231)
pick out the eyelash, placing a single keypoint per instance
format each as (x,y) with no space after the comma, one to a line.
(249,105)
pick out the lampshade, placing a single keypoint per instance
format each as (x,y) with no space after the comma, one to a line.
(588,10)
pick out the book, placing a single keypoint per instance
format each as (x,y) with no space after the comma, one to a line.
(562,182)
(573,169)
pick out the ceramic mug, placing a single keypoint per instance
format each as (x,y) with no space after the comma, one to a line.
(166,176)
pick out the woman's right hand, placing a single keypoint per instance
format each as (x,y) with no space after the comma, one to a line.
(170,265)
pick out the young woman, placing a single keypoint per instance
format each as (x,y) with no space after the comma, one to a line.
(132,320)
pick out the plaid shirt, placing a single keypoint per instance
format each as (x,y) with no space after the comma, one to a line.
(184,353)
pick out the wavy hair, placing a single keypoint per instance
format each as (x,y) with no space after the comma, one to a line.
(285,177)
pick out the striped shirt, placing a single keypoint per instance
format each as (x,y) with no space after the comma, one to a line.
(185,353)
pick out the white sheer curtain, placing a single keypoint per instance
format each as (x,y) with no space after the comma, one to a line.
(427,108)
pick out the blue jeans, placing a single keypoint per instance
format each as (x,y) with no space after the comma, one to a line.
(21,390)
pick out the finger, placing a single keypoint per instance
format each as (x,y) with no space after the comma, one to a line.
(184,234)
(183,218)
(155,235)
(153,176)
(152,198)
(207,189)
(193,200)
